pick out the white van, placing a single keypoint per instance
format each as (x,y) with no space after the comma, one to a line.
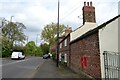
(17,55)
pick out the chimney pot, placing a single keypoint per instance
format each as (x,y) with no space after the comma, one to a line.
(68,30)
(88,13)
(67,25)
(84,3)
(88,3)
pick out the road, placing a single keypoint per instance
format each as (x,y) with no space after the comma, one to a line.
(35,67)
(21,68)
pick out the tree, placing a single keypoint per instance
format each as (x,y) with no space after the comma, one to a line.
(39,51)
(49,33)
(31,49)
(11,32)
(14,31)
(6,47)
(45,48)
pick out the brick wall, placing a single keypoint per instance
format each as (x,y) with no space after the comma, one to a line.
(88,12)
(89,47)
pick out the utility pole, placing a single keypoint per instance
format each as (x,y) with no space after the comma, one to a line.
(11,18)
(58,37)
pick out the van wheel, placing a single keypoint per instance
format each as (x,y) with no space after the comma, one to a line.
(19,58)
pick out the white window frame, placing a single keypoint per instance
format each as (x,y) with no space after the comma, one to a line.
(60,45)
(65,42)
(65,57)
(60,57)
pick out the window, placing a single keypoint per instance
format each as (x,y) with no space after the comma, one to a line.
(65,42)
(60,57)
(60,45)
(65,57)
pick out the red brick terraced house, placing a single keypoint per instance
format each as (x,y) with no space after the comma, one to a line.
(65,47)
(82,54)
(86,45)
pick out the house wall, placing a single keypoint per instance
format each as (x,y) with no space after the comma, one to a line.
(108,41)
(89,47)
(65,49)
(85,28)
(119,27)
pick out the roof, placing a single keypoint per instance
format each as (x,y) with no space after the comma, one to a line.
(95,30)
(82,30)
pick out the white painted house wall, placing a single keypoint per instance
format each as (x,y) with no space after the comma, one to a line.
(108,41)
(119,26)
(82,30)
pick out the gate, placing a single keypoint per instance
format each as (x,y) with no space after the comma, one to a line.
(112,65)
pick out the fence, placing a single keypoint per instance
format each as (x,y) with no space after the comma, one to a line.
(112,65)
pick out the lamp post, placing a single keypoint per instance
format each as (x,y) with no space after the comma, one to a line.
(58,37)
(37,39)
(10,30)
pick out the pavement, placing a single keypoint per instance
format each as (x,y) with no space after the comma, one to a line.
(49,70)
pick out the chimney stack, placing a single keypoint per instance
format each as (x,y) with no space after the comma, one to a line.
(88,13)
(88,3)
(68,30)
(84,3)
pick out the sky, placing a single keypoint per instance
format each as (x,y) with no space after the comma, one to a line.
(35,14)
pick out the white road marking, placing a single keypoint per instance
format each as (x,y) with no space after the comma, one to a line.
(13,62)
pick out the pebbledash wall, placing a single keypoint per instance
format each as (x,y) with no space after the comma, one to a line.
(109,39)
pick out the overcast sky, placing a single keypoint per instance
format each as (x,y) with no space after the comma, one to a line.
(35,14)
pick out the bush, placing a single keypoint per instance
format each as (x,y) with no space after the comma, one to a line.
(6,52)
(63,64)
(53,55)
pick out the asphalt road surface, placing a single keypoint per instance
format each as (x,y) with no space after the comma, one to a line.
(21,68)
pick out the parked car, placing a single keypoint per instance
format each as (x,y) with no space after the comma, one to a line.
(50,55)
(17,55)
(46,56)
